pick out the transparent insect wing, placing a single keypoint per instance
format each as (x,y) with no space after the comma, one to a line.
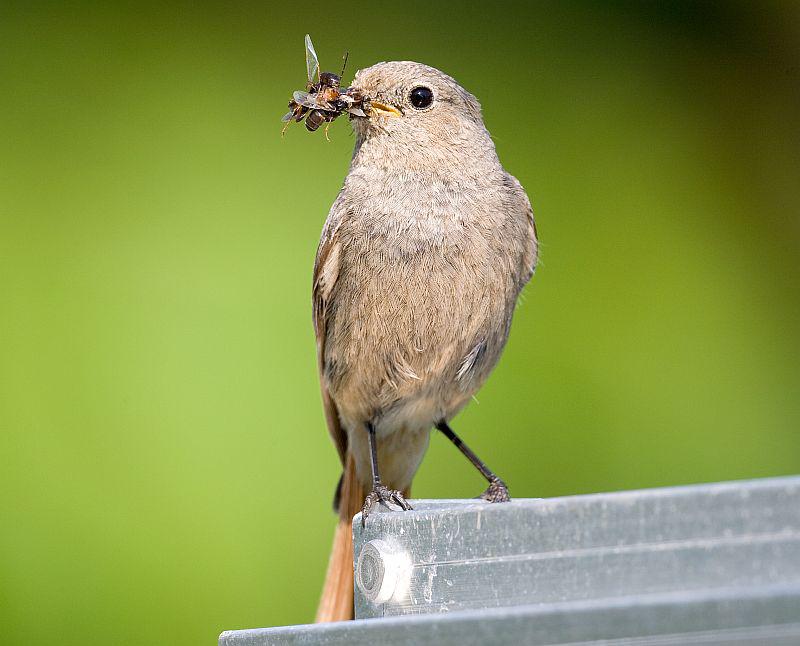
(355,110)
(309,100)
(287,117)
(312,62)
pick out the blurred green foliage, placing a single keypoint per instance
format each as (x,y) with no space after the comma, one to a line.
(166,473)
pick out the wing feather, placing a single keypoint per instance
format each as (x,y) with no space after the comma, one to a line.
(530,256)
(326,271)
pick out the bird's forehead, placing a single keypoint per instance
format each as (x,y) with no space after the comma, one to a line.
(396,75)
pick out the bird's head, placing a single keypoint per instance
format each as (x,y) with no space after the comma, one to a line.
(414,107)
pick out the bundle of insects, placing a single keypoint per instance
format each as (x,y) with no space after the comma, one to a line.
(323,100)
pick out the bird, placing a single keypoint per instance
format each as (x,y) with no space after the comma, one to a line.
(419,268)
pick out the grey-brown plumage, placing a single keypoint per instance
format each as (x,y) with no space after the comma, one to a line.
(421,261)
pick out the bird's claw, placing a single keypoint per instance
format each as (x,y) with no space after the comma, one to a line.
(497,492)
(384,495)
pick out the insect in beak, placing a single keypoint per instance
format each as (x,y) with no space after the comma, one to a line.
(383,110)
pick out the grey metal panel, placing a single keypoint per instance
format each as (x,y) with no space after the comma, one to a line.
(708,564)
(458,555)
(768,616)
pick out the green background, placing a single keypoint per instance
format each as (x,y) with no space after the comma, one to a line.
(165,472)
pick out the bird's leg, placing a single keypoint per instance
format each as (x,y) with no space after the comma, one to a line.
(380,492)
(497,491)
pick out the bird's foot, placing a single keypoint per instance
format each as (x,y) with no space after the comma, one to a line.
(497,492)
(382,494)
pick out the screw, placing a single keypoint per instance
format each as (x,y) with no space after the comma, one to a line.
(383,571)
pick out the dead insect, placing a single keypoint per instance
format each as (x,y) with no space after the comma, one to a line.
(324,100)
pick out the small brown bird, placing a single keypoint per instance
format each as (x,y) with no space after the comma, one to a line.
(421,261)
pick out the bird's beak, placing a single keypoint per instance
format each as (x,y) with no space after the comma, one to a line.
(384,110)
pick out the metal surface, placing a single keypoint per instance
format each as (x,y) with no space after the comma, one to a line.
(471,554)
(768,617)
(708,564)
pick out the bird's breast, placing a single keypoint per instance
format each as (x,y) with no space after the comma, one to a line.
(425,282)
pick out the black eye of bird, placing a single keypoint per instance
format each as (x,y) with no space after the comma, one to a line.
(421,97)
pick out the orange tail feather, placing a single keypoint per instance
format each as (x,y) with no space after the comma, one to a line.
(336,603)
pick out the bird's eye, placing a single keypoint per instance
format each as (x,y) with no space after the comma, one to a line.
(421,97)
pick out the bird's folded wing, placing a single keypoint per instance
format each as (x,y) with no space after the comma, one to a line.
(326,271)
(530,255)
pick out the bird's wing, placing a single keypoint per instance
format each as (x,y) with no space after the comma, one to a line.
(326,271)
(530,256)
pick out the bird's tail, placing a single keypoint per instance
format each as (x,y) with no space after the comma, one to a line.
(336,603)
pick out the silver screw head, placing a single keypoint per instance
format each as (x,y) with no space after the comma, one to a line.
(382,571)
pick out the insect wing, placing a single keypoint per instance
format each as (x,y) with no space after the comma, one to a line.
(309,100)
(312,62)
(358,112)
(288,116)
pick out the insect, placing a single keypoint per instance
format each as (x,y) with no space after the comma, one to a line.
(323,101)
